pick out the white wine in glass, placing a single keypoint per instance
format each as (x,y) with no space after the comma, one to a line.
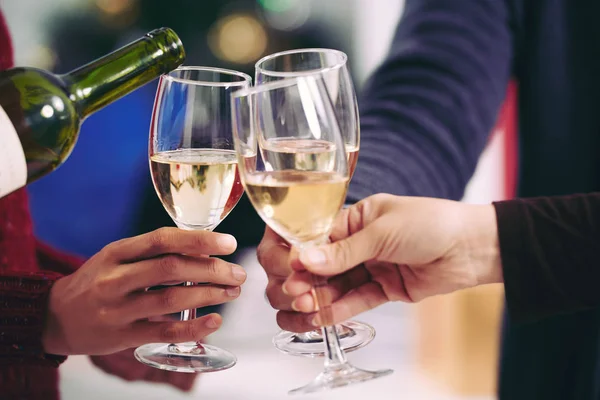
(278,196)
(198,187)
(332,66)
(299,188)
(195,173)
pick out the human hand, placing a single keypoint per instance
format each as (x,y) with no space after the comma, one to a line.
(274,255)
(389,248)
(104,307)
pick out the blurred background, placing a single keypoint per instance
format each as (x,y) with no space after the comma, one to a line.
(443,349)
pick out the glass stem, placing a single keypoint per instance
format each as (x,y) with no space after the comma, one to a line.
(190,314)
(334,354)
(187,315)
(335,358)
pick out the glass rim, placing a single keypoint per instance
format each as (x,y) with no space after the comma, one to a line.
(280,74)
(265,87)
(246,79)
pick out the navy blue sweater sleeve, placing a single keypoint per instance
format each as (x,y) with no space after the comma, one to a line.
(427,111)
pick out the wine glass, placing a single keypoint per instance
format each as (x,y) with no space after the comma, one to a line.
(299,191)
(195,173)
(332,66)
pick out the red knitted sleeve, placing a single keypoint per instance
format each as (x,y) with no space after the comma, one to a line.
(50,259)
(23,298)
(24,371)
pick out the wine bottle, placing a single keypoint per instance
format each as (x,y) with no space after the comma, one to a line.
(41,113)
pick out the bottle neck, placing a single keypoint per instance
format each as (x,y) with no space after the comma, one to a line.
(111,77)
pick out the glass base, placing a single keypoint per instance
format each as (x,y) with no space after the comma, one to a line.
(343,375)
(353,336)
(185,357)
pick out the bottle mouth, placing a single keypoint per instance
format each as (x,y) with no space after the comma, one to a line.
(169,42)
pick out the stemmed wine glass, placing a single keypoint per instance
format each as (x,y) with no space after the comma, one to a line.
(195,173)
(332,66)
(299,191)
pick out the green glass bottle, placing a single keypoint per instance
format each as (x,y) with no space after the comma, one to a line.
(40,112)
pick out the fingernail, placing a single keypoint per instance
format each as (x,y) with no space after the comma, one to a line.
(314,257)
(284,289)
(226,241)
(294,305)
(315,321)
(238,273)
(211,323)
(233,291)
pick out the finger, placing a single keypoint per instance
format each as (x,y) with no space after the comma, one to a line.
(273,254)
(294,262)
(171,241)
(336,288)
(297,283)
(295,321)
(301,282)
(173,332)
(338,257)
(173,268)
(305,303)
(276,296)
(341,228)
(364,298)
(175,299)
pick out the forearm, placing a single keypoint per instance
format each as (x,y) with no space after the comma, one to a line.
(550,249)
(427,111)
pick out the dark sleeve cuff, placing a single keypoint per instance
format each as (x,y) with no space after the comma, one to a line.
(24,301)
(531,290)
(516,279)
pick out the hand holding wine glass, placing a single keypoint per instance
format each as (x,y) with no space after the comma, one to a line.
(390,248)
(195,173)
(331,66)
(102,307)
(297,202)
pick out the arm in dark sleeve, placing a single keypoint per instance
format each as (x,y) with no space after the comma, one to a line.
(427,111)
(550,249)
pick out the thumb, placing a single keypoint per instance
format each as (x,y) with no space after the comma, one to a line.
(345,254)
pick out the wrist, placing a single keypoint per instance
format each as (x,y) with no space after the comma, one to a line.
(482,245)
(52,338)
